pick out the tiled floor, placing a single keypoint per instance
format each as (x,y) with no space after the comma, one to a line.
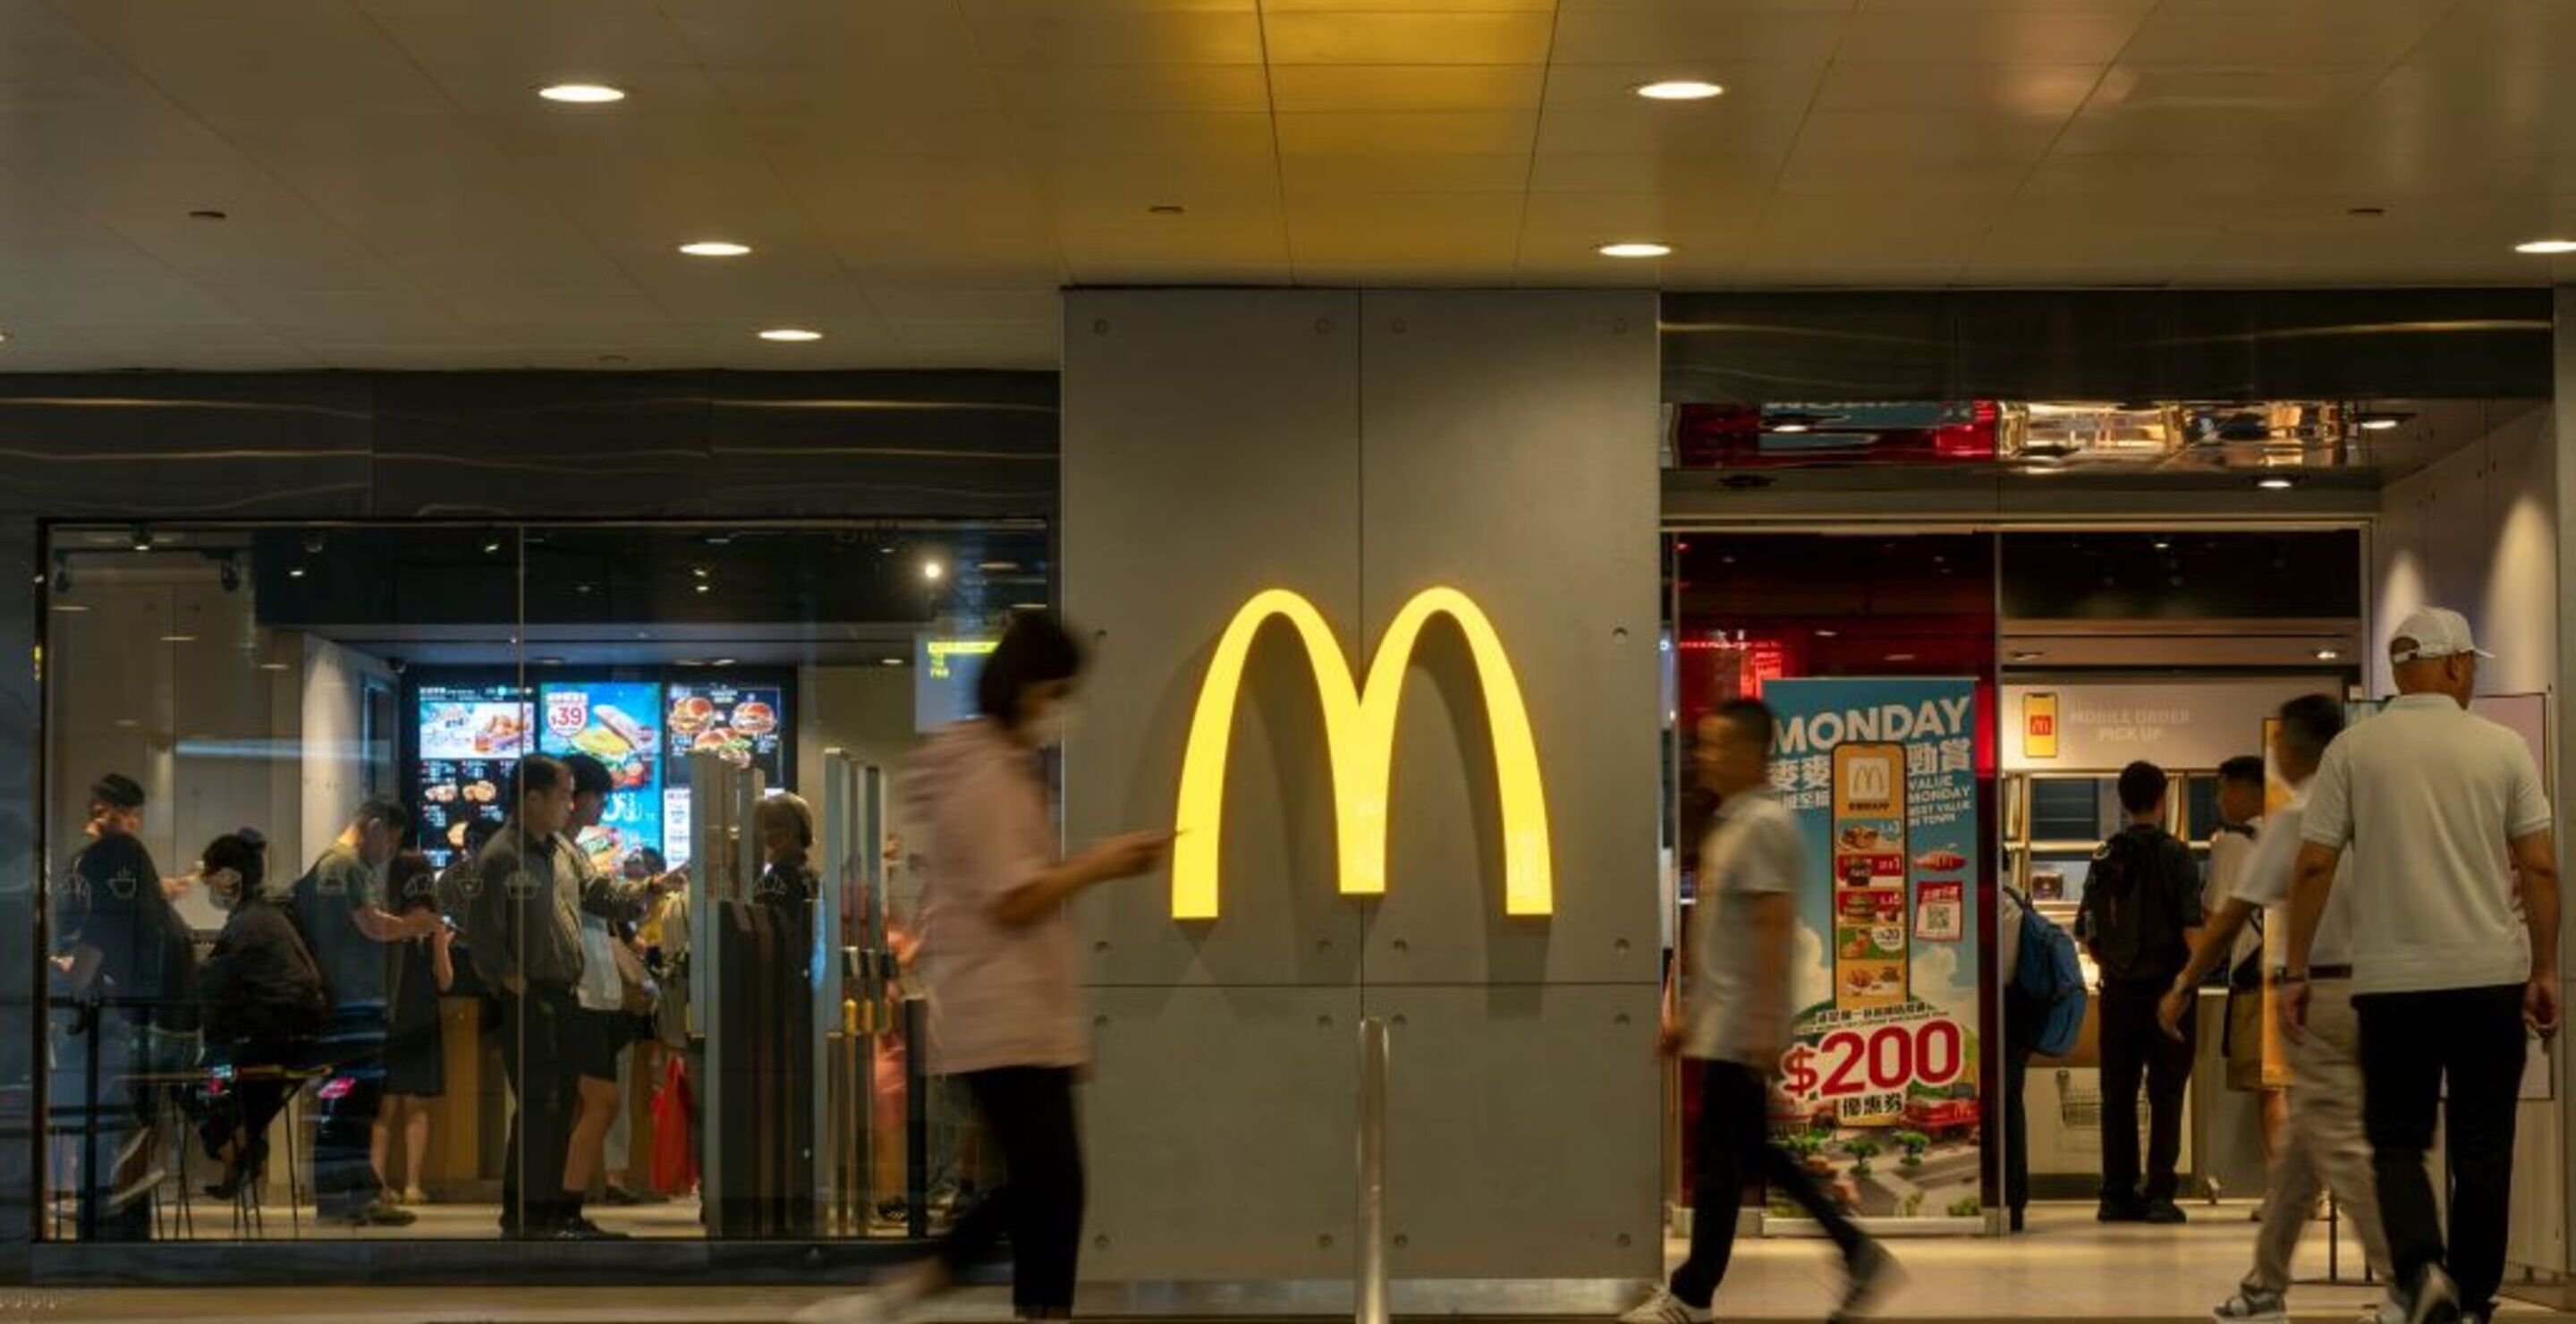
(2067,1267)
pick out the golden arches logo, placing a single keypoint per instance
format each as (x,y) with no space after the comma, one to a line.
(1359,735)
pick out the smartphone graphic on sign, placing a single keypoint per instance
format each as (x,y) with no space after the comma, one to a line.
(1870,929)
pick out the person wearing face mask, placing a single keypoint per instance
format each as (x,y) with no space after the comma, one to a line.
(1001,962)
(264,1003)
(340,909)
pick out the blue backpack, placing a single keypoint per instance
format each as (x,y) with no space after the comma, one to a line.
(2049,986)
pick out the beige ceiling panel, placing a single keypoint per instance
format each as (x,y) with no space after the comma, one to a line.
(1156,180)
(1426,133)
(1859,271)
(1476,230)
(1732,33)
(1048,35)
(1613,87)
(1143,133)
(1600,218)
(845,33)
(822,89)
(1182,256)
(1806,227)
(2026,36)
(900,304)
(750,288)
(1641,126)
(144,294)
(1397,172)
(1400,38)
(1382,88)
(1115,209)
(250,57)
(2039,91)
(537,304)
(1956,138)
(2101,237)
(1408,6)
(2500,110)
(2005,6)
(1677,173)
(1901,177)
(2149,180)
(2285,33)
(298,314)
(59,347)
(1208,89)
(1424,273)
(2484,33)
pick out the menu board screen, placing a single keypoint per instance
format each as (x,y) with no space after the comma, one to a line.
(944,668)
(744,724)
(619,724)
(468,737)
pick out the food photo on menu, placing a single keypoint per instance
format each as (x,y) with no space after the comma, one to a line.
(467,737)
(617,723)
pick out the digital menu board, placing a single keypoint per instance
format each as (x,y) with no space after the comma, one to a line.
(743,724)
(619,723)
(466,737)
(944,668)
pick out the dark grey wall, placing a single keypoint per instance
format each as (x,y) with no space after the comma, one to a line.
(1357,448)
(689,445)
(2108,345)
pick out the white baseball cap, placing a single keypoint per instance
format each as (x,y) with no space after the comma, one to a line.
(2428,633)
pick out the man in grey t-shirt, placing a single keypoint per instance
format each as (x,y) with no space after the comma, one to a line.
(1734,1021)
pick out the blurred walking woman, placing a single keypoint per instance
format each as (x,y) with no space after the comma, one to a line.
(999,954)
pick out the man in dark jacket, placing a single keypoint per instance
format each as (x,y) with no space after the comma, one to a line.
(2140,915)
(530,886)
(264,1003)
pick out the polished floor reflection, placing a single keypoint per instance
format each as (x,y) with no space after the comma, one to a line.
(2068,1267)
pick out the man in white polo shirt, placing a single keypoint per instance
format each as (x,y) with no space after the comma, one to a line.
(2451,959)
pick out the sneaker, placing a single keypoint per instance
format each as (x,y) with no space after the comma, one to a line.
(376,1213)
(2436,1299)
(1873,1273)
(2118,1209)
(1665,1308)
(2253,1305)
(577,1228)
(2164,1213)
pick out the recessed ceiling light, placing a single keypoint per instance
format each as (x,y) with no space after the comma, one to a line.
(724,662)
(1829,634)
(178,638)
(69,606)
(1789,427)
(890,661)
(714,248)
(582,94)
(705,587)
(932,570)
(1635,249)
(272,666)
(2547,247)
(1680,89)
(790,333)
(2378,424)
(2328,654)
(295,572)
(2275,484)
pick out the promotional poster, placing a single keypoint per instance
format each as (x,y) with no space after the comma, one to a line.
(620,724)
(1878,1090)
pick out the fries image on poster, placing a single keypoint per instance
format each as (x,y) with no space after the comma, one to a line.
(1869,876)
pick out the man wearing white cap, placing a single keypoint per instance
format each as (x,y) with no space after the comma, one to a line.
(2451,958)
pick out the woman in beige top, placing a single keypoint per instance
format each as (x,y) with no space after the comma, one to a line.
(998,954)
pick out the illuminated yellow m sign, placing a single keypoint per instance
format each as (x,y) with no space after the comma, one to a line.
(1359,734)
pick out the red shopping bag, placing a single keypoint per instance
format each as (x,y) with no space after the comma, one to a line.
(675,1158)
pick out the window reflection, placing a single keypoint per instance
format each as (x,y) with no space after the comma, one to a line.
(470,881)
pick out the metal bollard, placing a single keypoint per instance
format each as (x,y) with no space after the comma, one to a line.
(1371,1293)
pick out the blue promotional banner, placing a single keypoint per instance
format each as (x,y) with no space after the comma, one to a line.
(1878,1090)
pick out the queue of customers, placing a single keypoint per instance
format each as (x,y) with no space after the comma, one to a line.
(332,981)
(2409,891)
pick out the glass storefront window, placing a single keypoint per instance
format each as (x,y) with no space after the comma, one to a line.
(475,880)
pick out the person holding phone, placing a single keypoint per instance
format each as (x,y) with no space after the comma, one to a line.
(1001,960)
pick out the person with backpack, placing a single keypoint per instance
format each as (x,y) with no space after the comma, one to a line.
(2043,996)
(2139,918)
(2322,1145)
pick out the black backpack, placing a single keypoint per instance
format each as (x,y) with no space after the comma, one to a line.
(2129,929)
